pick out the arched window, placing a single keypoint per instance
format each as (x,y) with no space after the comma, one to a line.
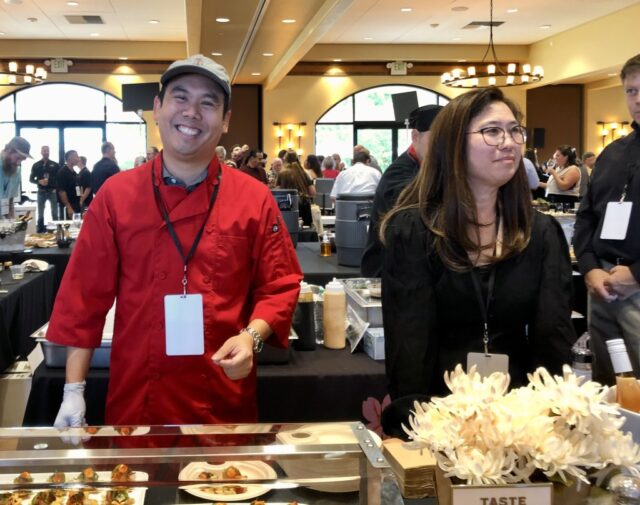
(367,118)
(68,116)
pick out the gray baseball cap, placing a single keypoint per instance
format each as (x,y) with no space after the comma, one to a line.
(199,64)
(21,145)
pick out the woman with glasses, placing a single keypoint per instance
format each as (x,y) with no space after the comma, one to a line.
(564,181)
(472,274)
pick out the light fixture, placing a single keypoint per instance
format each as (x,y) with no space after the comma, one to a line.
(337,60)
(267,54)
(154,22)
(123,58)
(222,20)
(73,4)
(289,127)
(255,73)
(94,34)
(610,131)
(13,75)
(495,74)
(288,21)
(406,9)
(544,27)
(216,54)
(512,11)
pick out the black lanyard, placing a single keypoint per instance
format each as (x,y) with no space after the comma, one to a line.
(632,168)
(172,231)
(484,304)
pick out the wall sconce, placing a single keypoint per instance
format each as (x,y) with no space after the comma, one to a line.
(612,131)
(292,130)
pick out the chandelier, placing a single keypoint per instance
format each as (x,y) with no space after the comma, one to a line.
(495,74)
(19,77)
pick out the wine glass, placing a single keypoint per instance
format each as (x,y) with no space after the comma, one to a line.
(77,220)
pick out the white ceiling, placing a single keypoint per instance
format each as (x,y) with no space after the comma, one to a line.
(256,26)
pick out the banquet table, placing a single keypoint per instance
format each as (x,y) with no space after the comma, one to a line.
(55,256)
(320,385)
(24,307)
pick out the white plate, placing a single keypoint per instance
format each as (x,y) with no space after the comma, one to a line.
(250,469)
(331,465)
(137,493)
(224,429)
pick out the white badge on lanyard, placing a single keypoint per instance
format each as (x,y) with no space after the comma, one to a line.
(616,221)
(78,191)
(486,364)
(184,325)
(4,206)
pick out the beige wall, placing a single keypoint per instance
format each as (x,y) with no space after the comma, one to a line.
(604,101)
(306,98)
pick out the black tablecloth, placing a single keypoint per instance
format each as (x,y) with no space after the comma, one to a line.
(320,269)
(25,308)
(320,385)
(52,255)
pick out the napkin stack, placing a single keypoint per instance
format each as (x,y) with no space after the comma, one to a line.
(414,468)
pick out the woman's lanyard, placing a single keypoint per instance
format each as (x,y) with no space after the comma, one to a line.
(484,304)
(172,231)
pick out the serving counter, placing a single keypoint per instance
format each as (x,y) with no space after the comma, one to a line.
(280,464)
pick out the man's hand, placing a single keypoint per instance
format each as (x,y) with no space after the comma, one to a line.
(236,356)
(595,280)
(622,282)
(73,408)
(43,182)
(70,211)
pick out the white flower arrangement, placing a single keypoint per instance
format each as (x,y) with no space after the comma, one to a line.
(560,426)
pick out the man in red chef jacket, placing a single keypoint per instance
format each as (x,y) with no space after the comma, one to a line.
(200,263)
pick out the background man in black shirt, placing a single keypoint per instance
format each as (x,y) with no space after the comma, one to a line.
(611,268)
(84,181)
(105,168)
(67,184)
(43,174)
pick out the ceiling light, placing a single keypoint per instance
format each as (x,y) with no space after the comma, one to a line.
(613,74)
(462,61)
(13,2)
(32,20)
(512,11)
(16,76)
(94,34)
(495,74)
(123,58)
(337,59)
(368,38)
(154,22)
(216,54)
(456,39)
(222,20)
(267,54)
(288,21)
(255,73)
(2,33)
(406,9)
(459,8)
(73,4)
(544,27)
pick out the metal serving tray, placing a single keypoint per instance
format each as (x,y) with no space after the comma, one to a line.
(359,298)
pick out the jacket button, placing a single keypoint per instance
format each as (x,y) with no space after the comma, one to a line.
(162,275)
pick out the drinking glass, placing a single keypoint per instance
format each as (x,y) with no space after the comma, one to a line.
(77,220)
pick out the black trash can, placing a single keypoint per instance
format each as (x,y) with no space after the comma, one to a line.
(353,215)
(287,200)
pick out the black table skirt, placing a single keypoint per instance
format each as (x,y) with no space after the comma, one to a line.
(55,256)
(320,385)
(25,308)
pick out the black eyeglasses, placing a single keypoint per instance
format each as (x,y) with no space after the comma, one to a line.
(494,135)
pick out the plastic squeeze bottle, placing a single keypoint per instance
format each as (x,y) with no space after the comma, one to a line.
(325,245)
(627,387)
(334,315)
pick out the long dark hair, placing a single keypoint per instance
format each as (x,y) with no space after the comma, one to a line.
(314,165)
(570,153)
(442,193)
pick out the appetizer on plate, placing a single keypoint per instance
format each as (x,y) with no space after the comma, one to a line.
(44,498)
(124,430)
(231,489)
(121,473)
(10,499)
(118,497)
(57,478)
(80,498)
(91,430)
(232,472)
(23,478)
(87,475)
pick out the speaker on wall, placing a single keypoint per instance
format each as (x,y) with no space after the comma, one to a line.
(538,137)
(139,96)
(403,104)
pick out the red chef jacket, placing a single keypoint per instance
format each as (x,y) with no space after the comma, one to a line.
(245,267)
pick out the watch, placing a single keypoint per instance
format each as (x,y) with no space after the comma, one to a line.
(258,343)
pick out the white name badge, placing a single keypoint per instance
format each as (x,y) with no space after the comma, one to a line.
(184,326)
(4,206)
(486,364)
(78,191)
(616,221)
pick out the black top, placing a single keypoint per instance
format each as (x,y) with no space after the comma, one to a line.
(38,171)
(84,181)
(66,181)
(432,318)
(395,178)
(102,170)
(619,162)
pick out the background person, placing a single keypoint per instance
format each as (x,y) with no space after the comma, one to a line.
(563,185)
(104,168)
(358,178)
(13,154)
(43,174)
(84,181)
(68,187)
(464,249)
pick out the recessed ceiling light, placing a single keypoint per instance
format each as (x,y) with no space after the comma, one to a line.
(462,60)
(123,58)
(94,34)
(216,54)
(14,2)
(73,4)
(544,27)
(368,38)
(455,39)
(288,21)
(512,11)
(2,33)
(613,74)
(222,20)
(255,73)
(154,22)
(267,54)
(337,59)
(406,9)
(459,8)
(32,20)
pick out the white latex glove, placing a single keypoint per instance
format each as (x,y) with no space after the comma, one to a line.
(72,408)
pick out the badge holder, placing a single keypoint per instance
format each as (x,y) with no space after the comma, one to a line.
(487,363)
(184,324)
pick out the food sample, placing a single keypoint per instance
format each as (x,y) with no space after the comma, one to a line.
(118,497)
(124,430)
(23,478)
(225,490)
(44,498)
(88,475)
(80,498)
(121,473)
(10,499)
(91,430)
(57,478)
(207,476)
(231,472)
